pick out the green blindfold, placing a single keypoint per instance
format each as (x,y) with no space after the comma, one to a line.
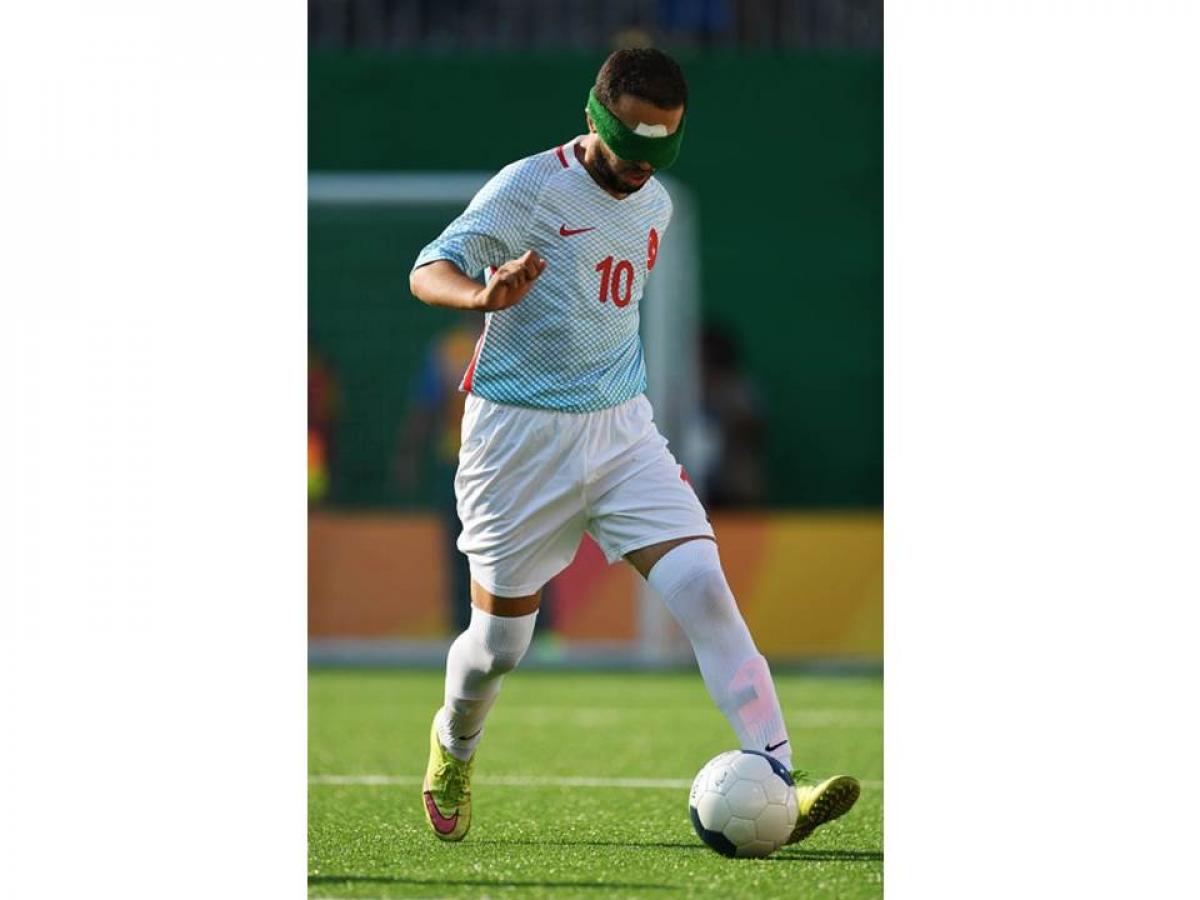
(660,152)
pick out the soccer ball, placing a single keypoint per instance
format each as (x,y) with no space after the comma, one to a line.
(743,803)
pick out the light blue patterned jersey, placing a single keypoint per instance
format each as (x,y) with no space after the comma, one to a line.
(572,343)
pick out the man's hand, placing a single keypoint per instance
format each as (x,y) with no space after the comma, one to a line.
(511,282)
(441,283)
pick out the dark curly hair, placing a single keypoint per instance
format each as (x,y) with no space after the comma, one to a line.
(646,73)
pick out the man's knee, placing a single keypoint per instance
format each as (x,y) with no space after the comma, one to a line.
(690,577)
(501,640)
(503,663)
(708,597)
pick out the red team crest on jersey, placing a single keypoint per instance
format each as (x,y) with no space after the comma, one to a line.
(651,249)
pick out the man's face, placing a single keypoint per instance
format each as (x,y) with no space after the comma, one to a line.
(626,176)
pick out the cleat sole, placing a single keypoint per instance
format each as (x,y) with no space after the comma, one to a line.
(837,797)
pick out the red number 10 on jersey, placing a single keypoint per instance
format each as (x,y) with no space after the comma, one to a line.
(617,281)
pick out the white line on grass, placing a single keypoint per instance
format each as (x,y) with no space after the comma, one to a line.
(525,781)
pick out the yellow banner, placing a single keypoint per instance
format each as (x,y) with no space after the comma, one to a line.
(809,584)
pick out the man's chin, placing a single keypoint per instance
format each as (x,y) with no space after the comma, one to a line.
(635,185)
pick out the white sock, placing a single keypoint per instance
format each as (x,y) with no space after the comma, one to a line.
(478,659)
(692,584)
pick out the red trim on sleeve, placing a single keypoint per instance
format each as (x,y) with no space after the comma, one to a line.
(562,157)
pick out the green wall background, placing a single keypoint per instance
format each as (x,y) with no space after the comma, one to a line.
(785,156)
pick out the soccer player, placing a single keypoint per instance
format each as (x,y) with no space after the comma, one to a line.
(558,437)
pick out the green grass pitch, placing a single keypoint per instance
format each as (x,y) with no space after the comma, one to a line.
(532,835)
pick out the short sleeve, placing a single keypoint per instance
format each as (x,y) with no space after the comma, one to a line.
(492,229)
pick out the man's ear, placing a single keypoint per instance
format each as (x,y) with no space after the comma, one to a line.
(591,125)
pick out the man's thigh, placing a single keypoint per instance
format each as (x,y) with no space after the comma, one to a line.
(650,503)
(484,599)
(644,558)
(519,496)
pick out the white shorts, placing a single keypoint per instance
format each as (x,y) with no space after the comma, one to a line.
(530,482)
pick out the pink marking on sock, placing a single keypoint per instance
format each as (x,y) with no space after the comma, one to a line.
(752,688)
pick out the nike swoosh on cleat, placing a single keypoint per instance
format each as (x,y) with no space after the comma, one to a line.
(567,232)
(771,747)
(471,736)
(441,824)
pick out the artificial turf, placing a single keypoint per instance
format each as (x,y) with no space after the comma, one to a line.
(544,840)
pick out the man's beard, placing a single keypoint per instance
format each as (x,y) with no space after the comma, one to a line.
(612,180)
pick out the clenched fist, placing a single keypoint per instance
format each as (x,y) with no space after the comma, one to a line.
(511,282)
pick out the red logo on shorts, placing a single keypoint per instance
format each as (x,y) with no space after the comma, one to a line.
(683,475)
(652,249)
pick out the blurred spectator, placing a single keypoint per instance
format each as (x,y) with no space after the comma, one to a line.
(427,448)
(736,426)
(588,24)
(430,435)
(632,37)
(704,18)
(322,415)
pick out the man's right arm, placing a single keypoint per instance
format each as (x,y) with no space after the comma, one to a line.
(490,233)
(442,283)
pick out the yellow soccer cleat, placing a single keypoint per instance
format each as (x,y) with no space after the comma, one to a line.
(447,791)
(822,801)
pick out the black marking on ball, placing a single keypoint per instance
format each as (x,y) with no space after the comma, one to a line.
(780,768)
(714,839)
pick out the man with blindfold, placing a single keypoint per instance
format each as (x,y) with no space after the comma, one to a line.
(558,437)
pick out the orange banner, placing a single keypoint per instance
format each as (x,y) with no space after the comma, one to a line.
(809,584)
